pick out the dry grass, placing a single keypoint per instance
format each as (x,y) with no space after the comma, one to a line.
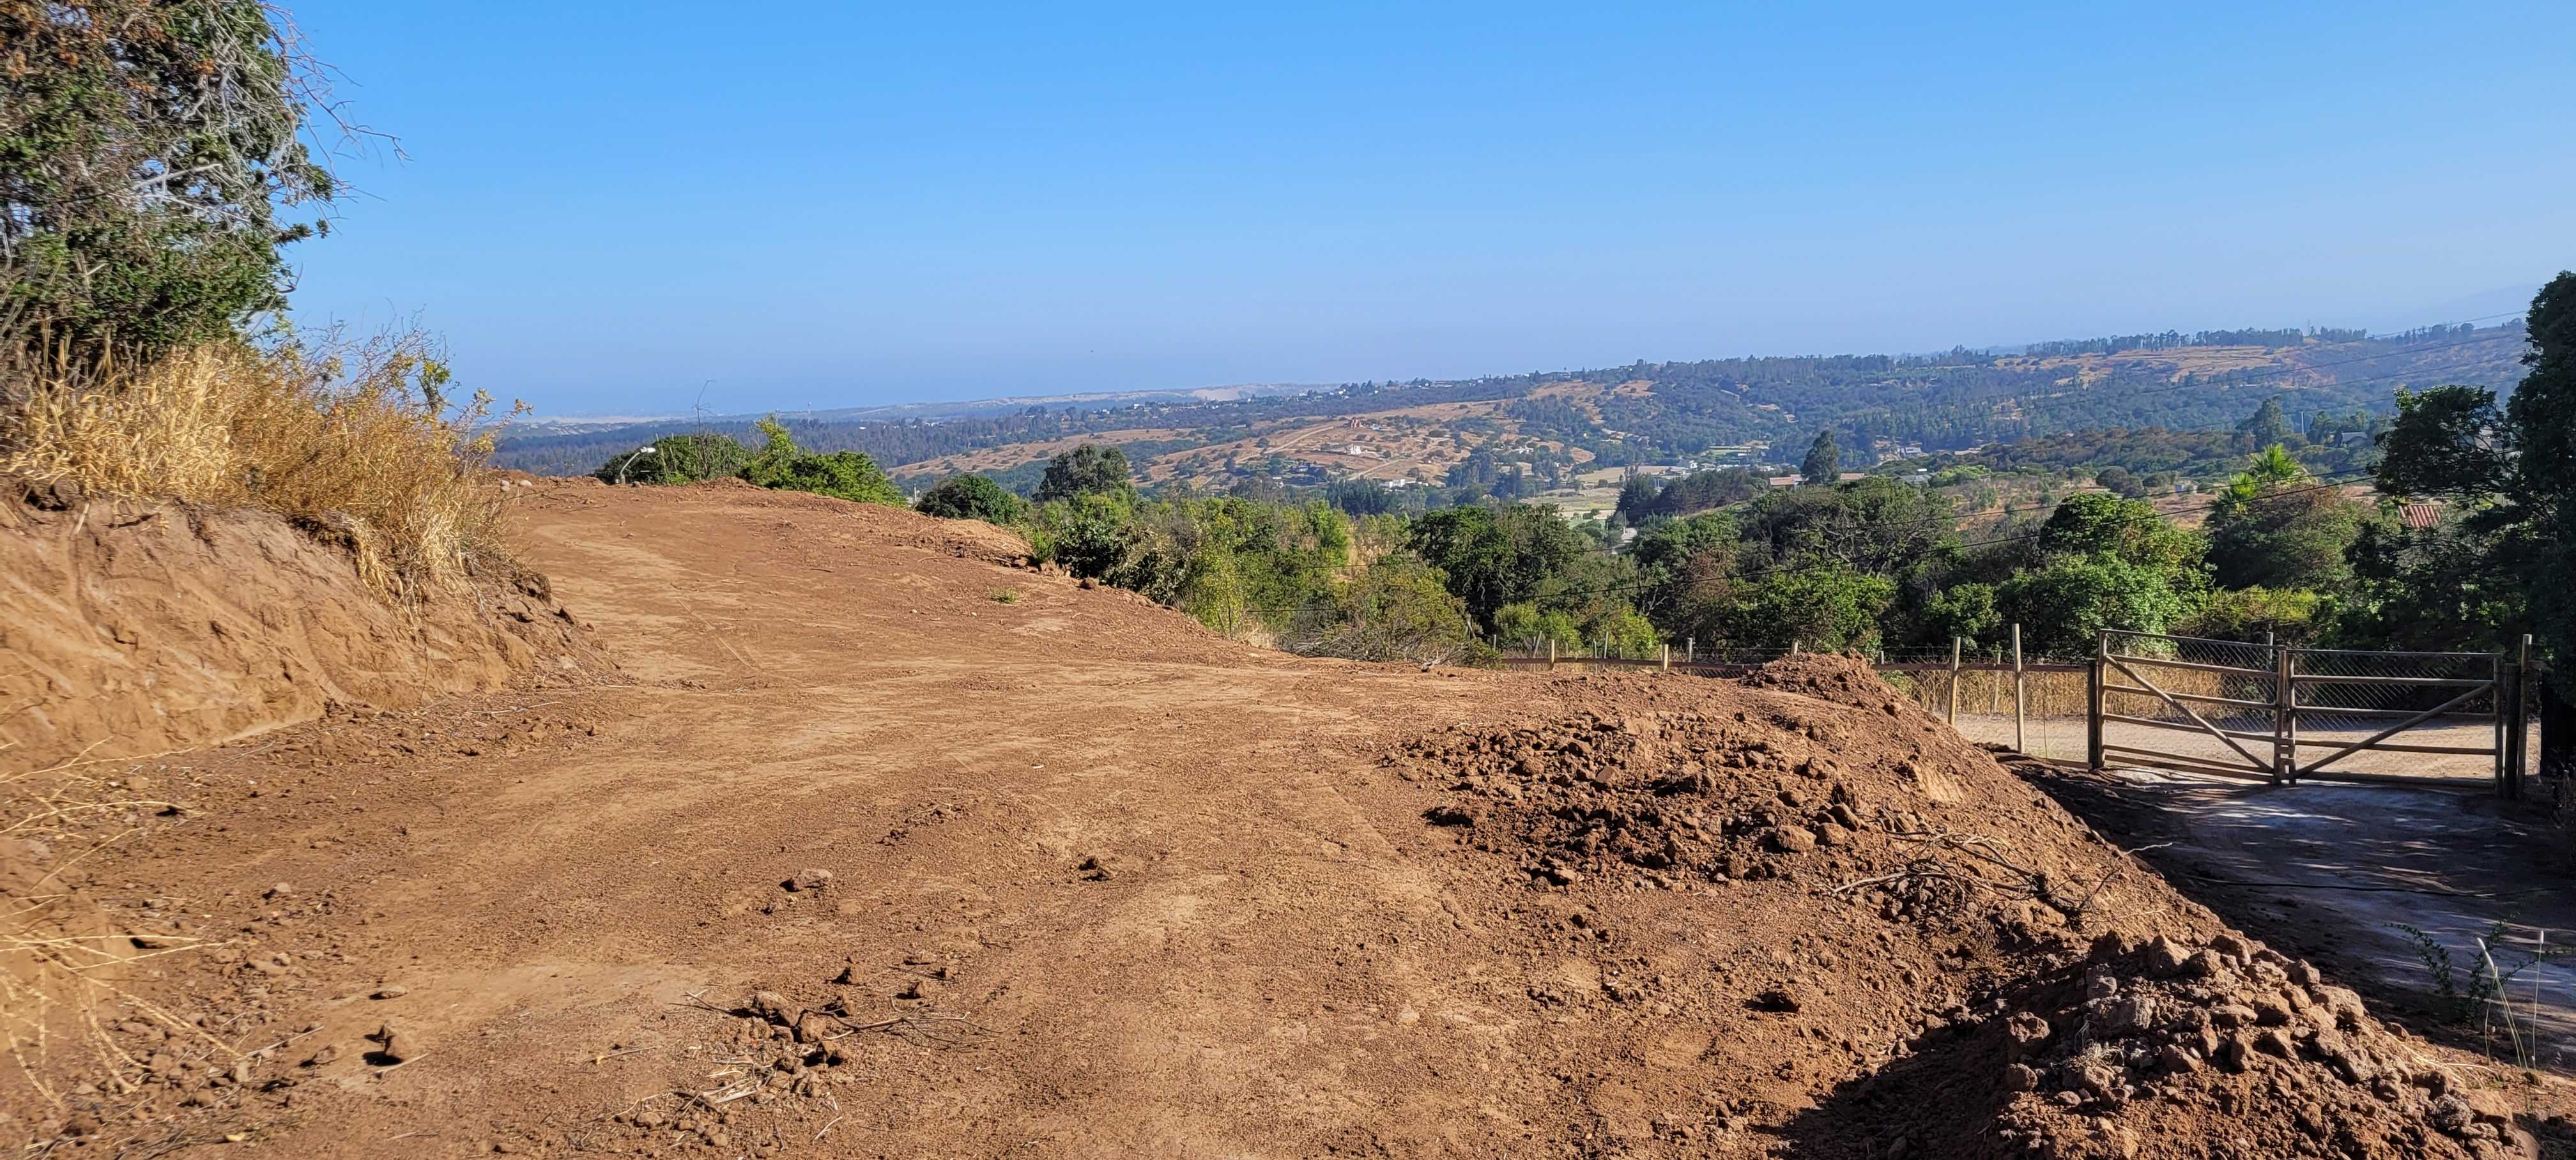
(358,444)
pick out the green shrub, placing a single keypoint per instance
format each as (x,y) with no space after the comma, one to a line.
(971,497)
(783,466)
(677,459)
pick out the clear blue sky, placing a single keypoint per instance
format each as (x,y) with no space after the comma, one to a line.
(607,205)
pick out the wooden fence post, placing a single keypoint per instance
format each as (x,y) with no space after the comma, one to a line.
(1690,650)
(1793,647)
(2520,742)
(2093,681)
(1551,654)
(1954,682)
(1668,658)
(2019,745)
(2285,716)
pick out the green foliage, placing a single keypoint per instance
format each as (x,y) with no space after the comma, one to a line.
(2120,481)
(971,497)
(2267,426)
(2063,605)
(1965,611)
(686,458)
(2510,539)
(783,466)
(2447,442)
(1824,462)
(1824,606)
(1523,625)
(1397,609)
(147,149)
(1493,556)
(1090,469)
(2274,527)
(2292,616)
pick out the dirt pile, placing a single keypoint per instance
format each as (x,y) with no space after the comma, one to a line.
(2228,1049)
(146,627)
(1861,793)
(2070,1003)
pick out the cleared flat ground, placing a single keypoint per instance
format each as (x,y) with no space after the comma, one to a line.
(1100,884)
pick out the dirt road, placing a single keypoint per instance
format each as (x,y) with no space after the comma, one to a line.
(884,847)
(549,875)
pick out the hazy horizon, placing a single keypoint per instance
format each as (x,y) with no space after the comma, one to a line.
(920,205)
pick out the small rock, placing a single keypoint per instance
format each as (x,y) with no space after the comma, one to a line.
(391,1045)
(1793,839)
(1450,816)
(390,992)
(2165,956)
(810,879)
(2020,1078)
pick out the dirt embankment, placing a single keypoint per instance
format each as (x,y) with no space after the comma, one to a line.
(137,627)
(889,848)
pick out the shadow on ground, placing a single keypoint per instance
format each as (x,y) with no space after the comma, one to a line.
(2338,873)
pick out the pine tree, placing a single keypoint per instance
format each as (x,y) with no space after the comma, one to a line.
(1824,461)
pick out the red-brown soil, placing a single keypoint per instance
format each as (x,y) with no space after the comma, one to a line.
(144,627)
(885,847)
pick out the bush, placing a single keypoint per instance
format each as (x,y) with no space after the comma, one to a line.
(971,497)
(677,459)
(1090,469)
(1395,609)
(849,475)
(362,442)
(2291,615)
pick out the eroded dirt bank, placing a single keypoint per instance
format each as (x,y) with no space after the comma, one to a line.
(137,627)
(888,848)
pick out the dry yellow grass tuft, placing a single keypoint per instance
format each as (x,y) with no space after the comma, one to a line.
(359,444)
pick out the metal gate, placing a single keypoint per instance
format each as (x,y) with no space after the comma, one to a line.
(2286,715)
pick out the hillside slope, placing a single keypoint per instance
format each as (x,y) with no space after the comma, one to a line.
(141,627)
(868,860)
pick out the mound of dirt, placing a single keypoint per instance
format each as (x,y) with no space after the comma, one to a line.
(144,627)
(2097,1012)
(1846,793)
(2228,1049)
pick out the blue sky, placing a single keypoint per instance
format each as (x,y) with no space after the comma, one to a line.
(612,208)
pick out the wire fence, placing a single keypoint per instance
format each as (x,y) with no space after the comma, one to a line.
(2179,703)
(2048,721)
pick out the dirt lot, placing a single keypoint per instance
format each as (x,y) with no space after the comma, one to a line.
(881,846)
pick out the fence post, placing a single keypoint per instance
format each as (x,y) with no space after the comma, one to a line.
(2093,681)
(1954,682)
(1668,658)
(2019,746)
(2520,741)
(1690,650)
(1793,647)
(1551,654)
(2285,718)
(2495,692)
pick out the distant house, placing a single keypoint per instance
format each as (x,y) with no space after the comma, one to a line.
(1785,481)
(1849,476)
(2421,515)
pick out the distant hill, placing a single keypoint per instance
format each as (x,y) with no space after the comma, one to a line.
(1559,424)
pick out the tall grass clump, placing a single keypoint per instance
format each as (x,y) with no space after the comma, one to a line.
(359,444)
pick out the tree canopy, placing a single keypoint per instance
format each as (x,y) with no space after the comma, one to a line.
(1090,469)
(149,150)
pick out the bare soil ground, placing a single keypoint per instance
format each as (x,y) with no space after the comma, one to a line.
(881,846)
